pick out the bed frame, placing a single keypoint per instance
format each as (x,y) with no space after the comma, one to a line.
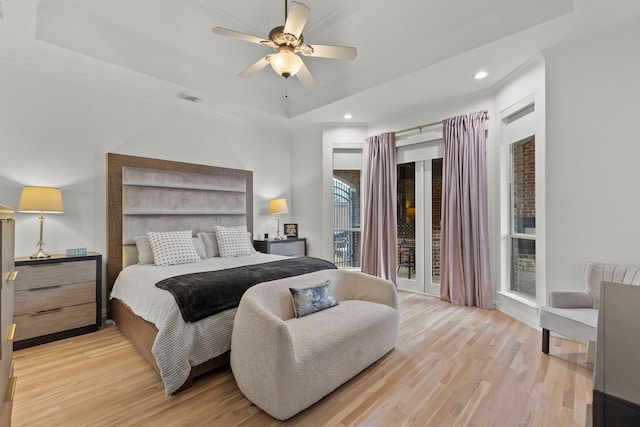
(161,195)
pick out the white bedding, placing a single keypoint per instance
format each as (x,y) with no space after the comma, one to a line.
(179,345)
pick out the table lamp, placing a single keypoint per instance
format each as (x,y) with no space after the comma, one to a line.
(277,207)
(40,200)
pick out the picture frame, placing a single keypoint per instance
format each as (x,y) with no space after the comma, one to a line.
(291,231)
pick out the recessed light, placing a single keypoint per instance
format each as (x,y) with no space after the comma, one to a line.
(480,75)
(348,116)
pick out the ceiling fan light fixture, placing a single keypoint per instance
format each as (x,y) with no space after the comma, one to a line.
(286,63)
(287,41)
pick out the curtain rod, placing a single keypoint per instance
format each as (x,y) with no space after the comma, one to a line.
(486,115)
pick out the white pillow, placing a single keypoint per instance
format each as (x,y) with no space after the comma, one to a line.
(199,247)
(233,241)
(210,244)
(145,255)
(172,247)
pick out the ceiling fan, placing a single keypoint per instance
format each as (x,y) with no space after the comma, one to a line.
(287,41)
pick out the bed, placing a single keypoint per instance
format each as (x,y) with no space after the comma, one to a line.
(147,194)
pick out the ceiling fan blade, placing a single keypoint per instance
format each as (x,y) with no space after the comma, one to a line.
(254,68)
(305,77)
(335,52)
(237,35)
(296,18)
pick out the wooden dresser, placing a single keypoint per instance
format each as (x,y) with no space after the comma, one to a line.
(7,327)
(57,297)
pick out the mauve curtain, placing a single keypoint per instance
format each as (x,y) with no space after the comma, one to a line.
(465,278)
(379,234)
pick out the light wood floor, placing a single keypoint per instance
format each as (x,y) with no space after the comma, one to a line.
(452,366)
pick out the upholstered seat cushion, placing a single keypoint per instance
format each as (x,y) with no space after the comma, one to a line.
(578,323)
(341,335)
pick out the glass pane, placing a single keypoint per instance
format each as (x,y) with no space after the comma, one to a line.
(346,248)
(346,218)
(406,207)
(436,210)
(523,266)
(524,187)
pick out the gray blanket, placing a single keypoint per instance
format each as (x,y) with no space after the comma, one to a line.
(204,294)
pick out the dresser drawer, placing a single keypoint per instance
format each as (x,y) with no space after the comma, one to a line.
(42,299)
(34,325)
(7,402)
(289,248)
(51,274)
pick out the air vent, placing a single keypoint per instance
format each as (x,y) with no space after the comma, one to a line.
(189,97)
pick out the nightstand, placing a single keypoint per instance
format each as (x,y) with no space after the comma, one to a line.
(288,247)
(57,297)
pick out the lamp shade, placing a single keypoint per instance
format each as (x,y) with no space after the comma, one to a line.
(278,206)
(286,63)
(41,199)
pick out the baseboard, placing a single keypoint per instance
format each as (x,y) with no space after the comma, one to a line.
(525,312)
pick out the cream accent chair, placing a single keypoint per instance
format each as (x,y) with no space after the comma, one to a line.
(285,364)
(574,314)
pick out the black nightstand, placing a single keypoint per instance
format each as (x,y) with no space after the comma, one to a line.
(57,297)
(288,247)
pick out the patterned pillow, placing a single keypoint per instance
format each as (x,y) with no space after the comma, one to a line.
(233,241)
(311,300)
(172,247)
(145,255)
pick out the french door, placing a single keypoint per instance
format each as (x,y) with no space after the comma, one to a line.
(419,205)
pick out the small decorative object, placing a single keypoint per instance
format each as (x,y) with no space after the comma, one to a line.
(77,252)
(266,236)
(277,207)
(40,200)
(291,231)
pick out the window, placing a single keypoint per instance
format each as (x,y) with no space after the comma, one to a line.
(523,217)
(346,218)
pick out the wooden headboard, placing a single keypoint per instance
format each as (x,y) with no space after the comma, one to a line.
(161,195)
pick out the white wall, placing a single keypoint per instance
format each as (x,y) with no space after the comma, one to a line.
(56,131)
(593,147)
(306,184)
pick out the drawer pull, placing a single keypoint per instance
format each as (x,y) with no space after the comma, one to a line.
(38,313)
(11,389)
(12,276)
(45,287)
(12,332)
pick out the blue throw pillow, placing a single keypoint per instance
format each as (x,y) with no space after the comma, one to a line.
(311,300)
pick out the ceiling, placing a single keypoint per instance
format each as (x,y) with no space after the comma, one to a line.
(411,53)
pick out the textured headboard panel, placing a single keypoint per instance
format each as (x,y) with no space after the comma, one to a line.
(160,195)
